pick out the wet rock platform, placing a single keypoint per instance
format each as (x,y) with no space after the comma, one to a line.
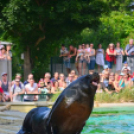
(11,121)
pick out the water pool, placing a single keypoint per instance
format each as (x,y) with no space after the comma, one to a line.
(110,124)
(107,120)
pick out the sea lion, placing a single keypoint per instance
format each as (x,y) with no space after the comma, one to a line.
(69,113)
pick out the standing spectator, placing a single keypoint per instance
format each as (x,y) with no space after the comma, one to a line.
(100,57)
(130,54)
(31,88)
(91,64)
(119,57)
(6,86)
(16,90)
(72,53)
(65,54)
(1,46)
(9,62)
(87,53)
(81,60)
(110,56)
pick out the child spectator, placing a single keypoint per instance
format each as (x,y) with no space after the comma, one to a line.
(106,69)
(116,83)
(125,66)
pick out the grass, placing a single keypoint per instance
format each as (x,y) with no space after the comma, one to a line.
(127,95)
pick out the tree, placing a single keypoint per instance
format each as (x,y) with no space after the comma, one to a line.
(37,26)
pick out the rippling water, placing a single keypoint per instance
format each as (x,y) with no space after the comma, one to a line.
(110,124)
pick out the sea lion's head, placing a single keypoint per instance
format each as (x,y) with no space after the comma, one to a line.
(93,81)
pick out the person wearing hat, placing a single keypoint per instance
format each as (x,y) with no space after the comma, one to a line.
(126,67)
(6,86)
(106,69)
(65,54)
(17,76)
(16,90)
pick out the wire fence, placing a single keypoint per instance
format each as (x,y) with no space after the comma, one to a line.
(57,65)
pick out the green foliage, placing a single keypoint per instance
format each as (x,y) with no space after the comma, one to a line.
(127,95)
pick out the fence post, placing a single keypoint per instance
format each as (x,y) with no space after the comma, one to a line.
(51,66)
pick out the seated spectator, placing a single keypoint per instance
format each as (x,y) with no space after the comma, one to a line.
(55,78)
(105,83)
(116,83)
(69,79)
(17,76)
(16,90)
(30,88)
(43,89)
(128,81)
(30,76)
(6,86)
(106,69)
(61,84)
(2,95)
(41,80)
(121,82)
(73,73)
(126,67)
(47,81)
(111,82)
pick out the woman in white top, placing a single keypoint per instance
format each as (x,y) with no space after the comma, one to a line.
(100,57)
(81,59)
(31,88)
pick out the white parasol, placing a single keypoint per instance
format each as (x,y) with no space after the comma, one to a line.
(5,43)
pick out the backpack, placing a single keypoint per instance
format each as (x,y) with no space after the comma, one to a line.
(15,87)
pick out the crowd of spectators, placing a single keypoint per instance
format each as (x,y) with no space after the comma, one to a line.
(86,55)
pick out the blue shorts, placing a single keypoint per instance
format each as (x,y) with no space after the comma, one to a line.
(67,64)
(110,64)
(82,60)
(91,65)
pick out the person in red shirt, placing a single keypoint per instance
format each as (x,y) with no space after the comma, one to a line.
(1,95)
(110,55)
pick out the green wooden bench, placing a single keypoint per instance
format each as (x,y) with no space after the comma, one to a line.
(41,97)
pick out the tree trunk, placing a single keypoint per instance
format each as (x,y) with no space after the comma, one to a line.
(27,63)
